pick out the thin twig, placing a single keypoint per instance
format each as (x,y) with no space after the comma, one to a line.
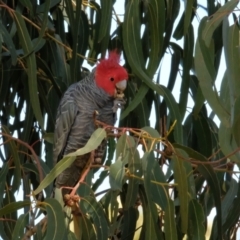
(30,149)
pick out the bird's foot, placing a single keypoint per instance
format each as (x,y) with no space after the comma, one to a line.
(118,103)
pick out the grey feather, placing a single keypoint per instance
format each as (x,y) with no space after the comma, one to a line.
(75,124)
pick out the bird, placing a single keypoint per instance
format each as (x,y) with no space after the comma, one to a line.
(99,92)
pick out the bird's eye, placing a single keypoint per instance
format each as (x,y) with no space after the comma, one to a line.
(111,79)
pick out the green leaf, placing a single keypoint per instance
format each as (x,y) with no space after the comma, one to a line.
(216,19)
(113,212)
(150,228)
(206,74)
(132,46)
(94,209)
(159,192)
(131,35)
(182,187)
(228,200)
(187,66)
(187,15)
(169,222)
(203,133)
(228,143)
(135,168)
(94,141)
(232,56)
(116,174)
(48,137)
(88,231)
(16,159)
(152,132)
(55,223)
(59,65)
(44,19)
(224,92)
(31,64)
(19,229)
(8,41)
(71,236)
(41,8)
(196,220)
(136,101)
(208,173)
(28,5)
(156,21)
(236,121)
(13,207)
(130,217)
(106,15)
(233,212)
(80,32)
(3,174)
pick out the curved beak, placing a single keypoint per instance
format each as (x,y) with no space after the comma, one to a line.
(120,87)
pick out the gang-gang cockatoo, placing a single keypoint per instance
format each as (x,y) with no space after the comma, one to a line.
(98,92)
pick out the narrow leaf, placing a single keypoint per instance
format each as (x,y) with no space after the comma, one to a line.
(31,64)
(116,175)
(8,41)
(196,221)
(182,187)
(94,141)
(94,209)
(21,223)
(13,207)
(216,19)
(106,15)
(55,223)
(17,165)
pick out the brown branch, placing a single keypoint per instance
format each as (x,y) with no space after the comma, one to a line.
(12,12)
(7,219)
(32,230)
(30,149)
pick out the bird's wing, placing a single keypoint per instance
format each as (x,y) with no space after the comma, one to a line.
(67,112)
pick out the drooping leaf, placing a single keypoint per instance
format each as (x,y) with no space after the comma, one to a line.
(207,171)
(3,174)
(8,41)
(94,209)
(13,206)
(21,223)
(216,19)
(55,223)
(116,175)
(196,220)
(16,159)
(31,64)
(206,74)
(129,223)
(94,141)
(181,180)
(187,15)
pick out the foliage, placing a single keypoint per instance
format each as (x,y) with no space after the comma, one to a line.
(188,166)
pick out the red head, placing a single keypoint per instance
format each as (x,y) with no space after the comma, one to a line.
(110,75)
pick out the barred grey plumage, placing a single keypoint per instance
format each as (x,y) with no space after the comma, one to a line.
(75,124)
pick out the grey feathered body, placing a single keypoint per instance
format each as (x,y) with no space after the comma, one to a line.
(75,124)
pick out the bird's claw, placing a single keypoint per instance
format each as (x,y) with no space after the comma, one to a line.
(118,103)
